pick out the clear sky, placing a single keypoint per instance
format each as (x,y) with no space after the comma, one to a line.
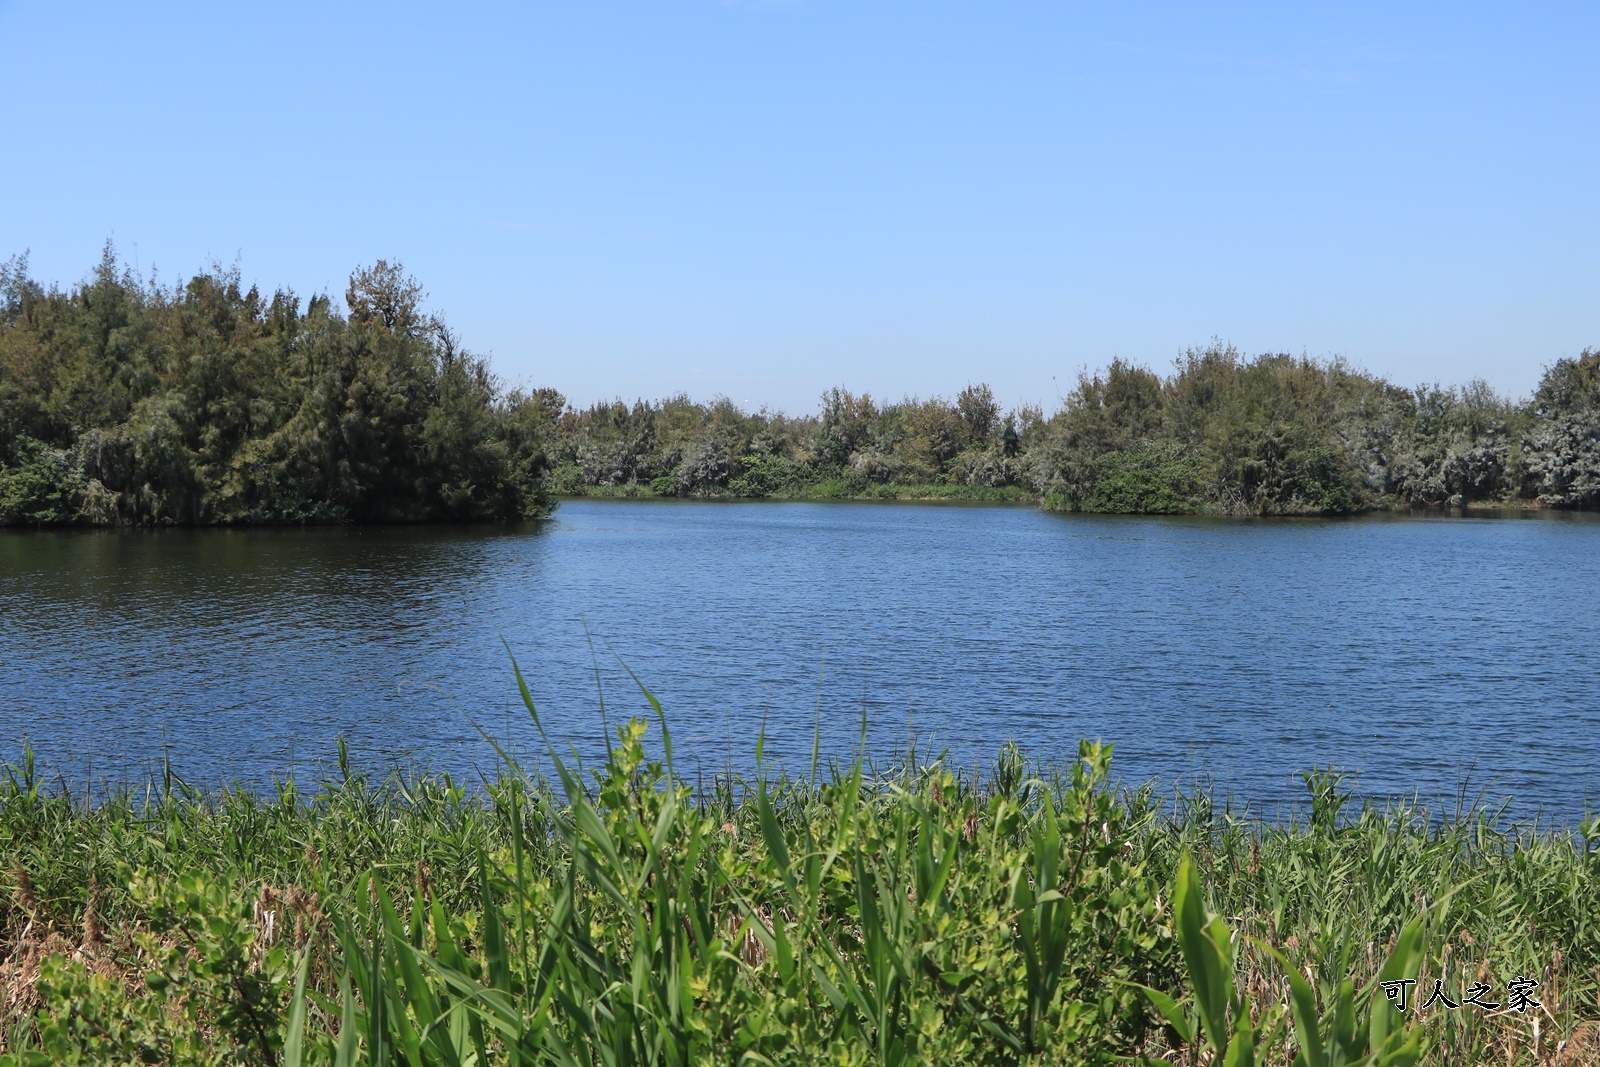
(763,199)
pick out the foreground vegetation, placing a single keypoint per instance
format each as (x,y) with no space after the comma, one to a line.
(1027,915)
(125,401)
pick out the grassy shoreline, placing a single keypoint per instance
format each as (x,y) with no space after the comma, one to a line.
(1009,496)
(831,490)
(914,915)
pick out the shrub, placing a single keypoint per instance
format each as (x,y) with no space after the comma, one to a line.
(38,485)
(1155,479)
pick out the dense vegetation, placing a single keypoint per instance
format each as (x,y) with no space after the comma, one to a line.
(1272,435)
(122,401)
(1024,916)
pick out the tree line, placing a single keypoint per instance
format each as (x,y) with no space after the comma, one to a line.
(1271,435)
(126,402)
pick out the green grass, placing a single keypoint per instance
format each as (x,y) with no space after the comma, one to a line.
(914,915)
(849,489)
(831,489)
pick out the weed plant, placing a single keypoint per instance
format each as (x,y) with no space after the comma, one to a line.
(1022,915)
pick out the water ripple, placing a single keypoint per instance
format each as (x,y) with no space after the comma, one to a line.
(1423,653)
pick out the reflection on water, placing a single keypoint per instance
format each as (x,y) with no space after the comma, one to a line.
(1416,650)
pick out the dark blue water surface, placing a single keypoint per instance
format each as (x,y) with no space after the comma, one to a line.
(1421,652)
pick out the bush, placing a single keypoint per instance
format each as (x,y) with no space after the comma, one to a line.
(1136,491)
(1155,480)
(1563,460)
(705,470)
(765,475)
(1316,479)
(38,485)
(565,480)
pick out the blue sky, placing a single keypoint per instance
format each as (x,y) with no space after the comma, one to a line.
(766,199)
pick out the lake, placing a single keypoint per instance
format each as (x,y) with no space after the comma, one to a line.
(1431,654)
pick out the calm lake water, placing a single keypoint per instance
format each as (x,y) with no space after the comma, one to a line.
(1428,654)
